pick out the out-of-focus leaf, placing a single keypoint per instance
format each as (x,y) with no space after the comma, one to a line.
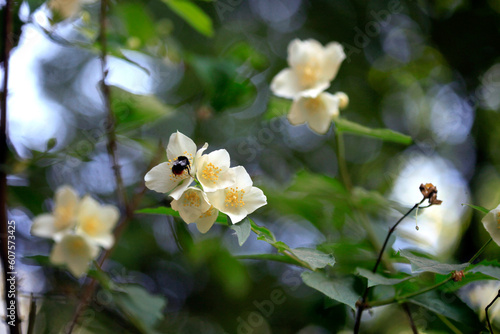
(346,126)
(489,270)
(242,230)
(163,210)
(135,110)
(133,21)
(39,260)
(315,258)
(339,288)
(377,279)
(423,264)
(141,307)
(269,257)
(193,15)
(449,306)
(477,207)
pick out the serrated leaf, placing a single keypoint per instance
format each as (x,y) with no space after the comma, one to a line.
(143,308)
(193,15)
(449,306)
(377,279)
(262,231)
(487,270)
(423,264)
(346,126)
(242,230)
(477,207)
(340,289)
(315,258)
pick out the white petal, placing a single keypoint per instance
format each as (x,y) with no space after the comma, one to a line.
(75,252)
(180,145)
(161,179)
(491,223)
(333,57)
(236,214)
(316,112)
(66,196)
(106,241)
(97,221)
(191,204)
(286,84)
(213,171)
(297,114)
(181,187)
(198,158)
(254,199)
(331,103)
(314,90)
(300,52)
(207,220)
(241,177)
(217,198)
(43,226)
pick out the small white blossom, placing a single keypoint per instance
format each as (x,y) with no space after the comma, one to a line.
(74,251)
(97,221)
(207,219)
(191,205)
(318,112)
(239,199)
(162,179)
(491,223)
(213,172)
(54,225)
(312,67)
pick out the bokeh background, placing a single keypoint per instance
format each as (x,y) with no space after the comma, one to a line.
(429,69)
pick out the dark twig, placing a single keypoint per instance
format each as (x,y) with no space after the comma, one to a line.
(406,308)
(486,311)
(9,273)
(361,305)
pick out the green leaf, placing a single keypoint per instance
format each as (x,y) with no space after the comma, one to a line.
(346,126)
(423,264)
(315,258)
(268,257)
(477,207)
(340,288)
(39,260)
(262,232)
(242,230)
(377,279)
(447,305)
(486,270)
(193,15)
(143,308)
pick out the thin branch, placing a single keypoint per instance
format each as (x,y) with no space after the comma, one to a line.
(341,160)
(362,305)
(7,268)
(486,312)
(406,308)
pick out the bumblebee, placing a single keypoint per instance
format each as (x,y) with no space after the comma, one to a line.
(180,164)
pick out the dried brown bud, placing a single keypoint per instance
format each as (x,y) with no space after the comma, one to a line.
(457,276)
(434,201)
(427,190)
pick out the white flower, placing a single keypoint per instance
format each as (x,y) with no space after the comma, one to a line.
(62,219)
(479,294)
(312,67)
(239,199)
(212,170)
(74,251)
(207,219)
(96,221)
(491,223)
(317,112)
(191,205)
(162,179)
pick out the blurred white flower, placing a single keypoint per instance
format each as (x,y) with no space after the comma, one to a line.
(175,175)
(213,172)
(239,199)
(67,8)
(191,205)
(54,225)
(312,67)
(74,251)
(479,295)
(97,221)
(491,223)
(317,112)
(207,219)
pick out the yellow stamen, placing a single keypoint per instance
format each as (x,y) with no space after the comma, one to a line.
(309,73)
(191,198)
(91,225)
(63,215)
(208,213)
(234,197)
(210,172)
(313,104)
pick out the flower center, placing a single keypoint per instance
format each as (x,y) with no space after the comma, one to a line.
(313,104)
(234,197)
(208,213)
(210,172)
(77,246)
(309,73)
(63,217)
(91,226)
(191,199)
